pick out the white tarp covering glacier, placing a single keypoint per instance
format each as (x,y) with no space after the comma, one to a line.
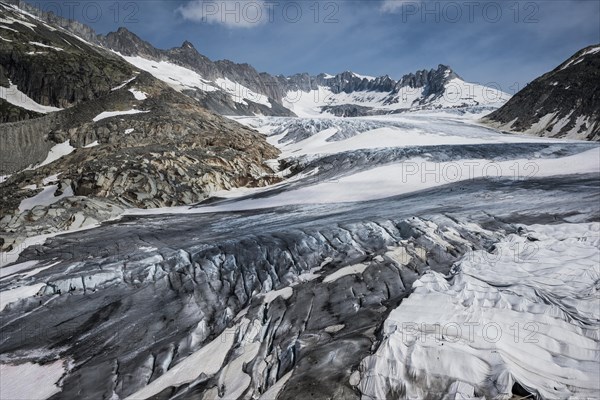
(525,313)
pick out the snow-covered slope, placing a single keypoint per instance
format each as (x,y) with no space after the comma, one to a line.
(181,78)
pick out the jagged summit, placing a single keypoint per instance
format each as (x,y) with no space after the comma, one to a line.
(427,77)
(128,43)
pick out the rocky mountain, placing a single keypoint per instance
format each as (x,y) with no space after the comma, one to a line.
(92,134)
(253,93)
(563,103)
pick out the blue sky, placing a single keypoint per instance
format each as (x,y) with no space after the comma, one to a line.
(507,42)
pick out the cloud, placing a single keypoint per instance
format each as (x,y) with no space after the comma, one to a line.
(229,13)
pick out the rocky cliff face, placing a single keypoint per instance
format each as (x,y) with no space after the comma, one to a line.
(433,81)
(52,67)
(565,102)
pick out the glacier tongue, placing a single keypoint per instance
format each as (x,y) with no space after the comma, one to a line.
(526,313)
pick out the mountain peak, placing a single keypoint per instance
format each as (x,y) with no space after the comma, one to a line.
(188,45)
(128,43)
(448,72)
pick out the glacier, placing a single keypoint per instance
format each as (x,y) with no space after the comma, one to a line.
(348,279)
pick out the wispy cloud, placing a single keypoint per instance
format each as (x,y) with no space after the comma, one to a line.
(229,13)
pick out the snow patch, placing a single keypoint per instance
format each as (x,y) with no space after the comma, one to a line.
(56,152)
(579,59)
(284,293)
(123,84)
(350,270)
(367,77)
(14,96)
(10,20)
(93,144)
(138,94)
(12,295)
(13,269)
(45,198)
(46,46)
(8,29)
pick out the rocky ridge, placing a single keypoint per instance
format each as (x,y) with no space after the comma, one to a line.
(563,103)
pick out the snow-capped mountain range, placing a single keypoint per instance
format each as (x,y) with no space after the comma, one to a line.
(238,89)
(344,94)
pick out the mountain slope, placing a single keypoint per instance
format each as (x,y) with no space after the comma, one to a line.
(564,102)
(113,136)
(50,66)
